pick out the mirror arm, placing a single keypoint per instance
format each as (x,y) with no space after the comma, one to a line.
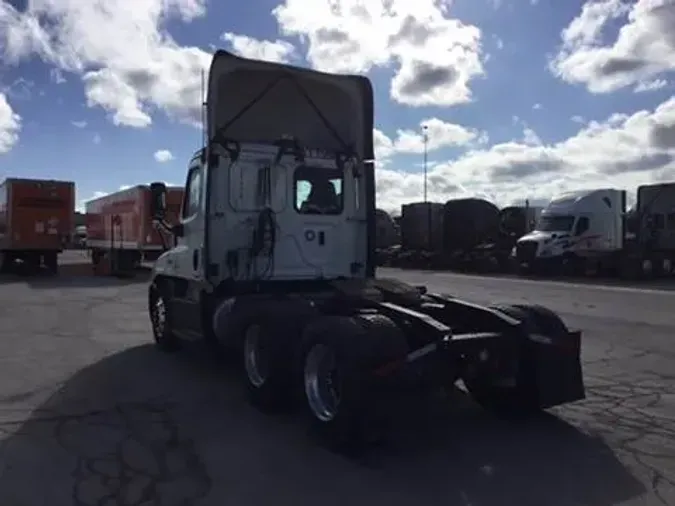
(162,227)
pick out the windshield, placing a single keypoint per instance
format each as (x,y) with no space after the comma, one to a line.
(555,224)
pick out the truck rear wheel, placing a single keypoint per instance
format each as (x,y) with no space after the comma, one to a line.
(267,366)
(345,401)
(160,318)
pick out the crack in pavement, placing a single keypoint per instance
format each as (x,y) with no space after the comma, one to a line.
(131,455)
(624,414)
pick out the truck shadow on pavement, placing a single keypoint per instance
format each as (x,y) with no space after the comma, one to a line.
(139,427)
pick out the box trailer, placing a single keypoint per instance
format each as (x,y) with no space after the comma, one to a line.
(36,220)
(120,230)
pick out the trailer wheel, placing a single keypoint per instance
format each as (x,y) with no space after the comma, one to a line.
(160,319)
(518,398)
(51,262)
(267,366)
(345,400)
(646,268)
(31,263)
(5,263)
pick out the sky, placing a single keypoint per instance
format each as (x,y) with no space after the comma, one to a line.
(521,99)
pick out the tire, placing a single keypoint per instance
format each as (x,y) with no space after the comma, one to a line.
(647,270)
(160,319)
(5,263)
(31,263)
(51,262)
(346,402)
(519,399)
(267,365)
(219,352)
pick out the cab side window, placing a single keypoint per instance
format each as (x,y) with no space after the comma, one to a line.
(193,193)
(583,224)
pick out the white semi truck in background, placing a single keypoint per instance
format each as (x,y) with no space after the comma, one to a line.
(592,231)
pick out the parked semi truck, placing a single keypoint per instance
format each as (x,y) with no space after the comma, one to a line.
(36,221)
(277,267)
(120,229)
(592,231)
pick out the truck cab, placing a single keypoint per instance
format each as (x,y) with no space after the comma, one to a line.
(282,195)
(575,225)
(276,213)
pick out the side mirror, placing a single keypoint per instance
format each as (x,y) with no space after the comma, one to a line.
(158,200)
(177,230)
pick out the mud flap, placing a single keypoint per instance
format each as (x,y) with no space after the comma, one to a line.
(555,365)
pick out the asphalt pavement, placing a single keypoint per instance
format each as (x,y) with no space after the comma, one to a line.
(92,414)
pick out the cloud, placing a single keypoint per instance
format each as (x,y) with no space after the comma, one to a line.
(96,139)
(163,156)
(439,135)
(646,86)
(129,64)
(79,124)
(10,125)
(133,69)
(434,56)
(56,76)
(643,50)
(276,51)
(20,89)
(621,151)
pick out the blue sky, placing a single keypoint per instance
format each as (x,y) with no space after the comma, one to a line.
(521,98)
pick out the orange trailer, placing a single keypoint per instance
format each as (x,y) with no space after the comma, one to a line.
(36,221)
(120,230)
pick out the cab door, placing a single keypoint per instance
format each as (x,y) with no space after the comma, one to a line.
(191,241)
(187,258)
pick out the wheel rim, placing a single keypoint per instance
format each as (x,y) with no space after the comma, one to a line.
(322,385)
(647,266)
(159,316)
(254,358)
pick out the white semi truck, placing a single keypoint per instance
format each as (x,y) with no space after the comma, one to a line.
(592,231)
(275,261)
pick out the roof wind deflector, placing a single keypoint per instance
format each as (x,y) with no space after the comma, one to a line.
(329,126)
(253,101)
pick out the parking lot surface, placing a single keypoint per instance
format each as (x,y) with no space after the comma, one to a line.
(91,414)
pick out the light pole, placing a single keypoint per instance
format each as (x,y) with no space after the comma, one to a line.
(425,139)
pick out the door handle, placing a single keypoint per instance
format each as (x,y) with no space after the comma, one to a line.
(195,259)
